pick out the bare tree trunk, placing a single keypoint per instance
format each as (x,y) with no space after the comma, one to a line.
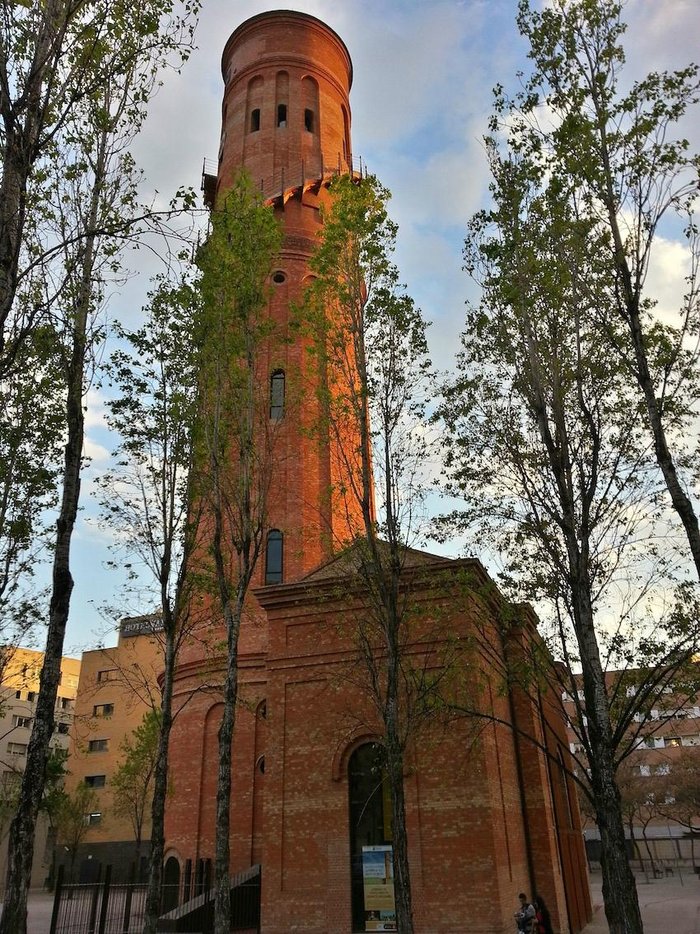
(222,906)
(648,849)
(619,888)
(402,876)
(160,788)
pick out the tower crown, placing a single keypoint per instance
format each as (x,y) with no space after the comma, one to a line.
(286,112)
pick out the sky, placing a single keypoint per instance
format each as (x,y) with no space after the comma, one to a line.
(421,97)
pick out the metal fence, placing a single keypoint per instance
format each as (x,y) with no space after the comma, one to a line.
(105,908)
(100,907)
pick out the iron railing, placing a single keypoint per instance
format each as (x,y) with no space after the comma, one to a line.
(105,908)
(302,175)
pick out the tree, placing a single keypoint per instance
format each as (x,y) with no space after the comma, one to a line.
(373,348)
(639,797)
(545,391)
(132,782)
(54,57)
(235,447)
(72,821)
(93,196)
(30,429)
(680,798)
(548,451)
(148,500)
(629,172)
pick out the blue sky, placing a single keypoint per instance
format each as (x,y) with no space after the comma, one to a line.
(423,73)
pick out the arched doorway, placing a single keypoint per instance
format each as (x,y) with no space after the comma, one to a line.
(370,837)
(171,884)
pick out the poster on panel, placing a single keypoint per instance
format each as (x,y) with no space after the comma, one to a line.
(378,883)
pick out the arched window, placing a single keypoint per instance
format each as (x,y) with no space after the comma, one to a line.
(309,103)
(277,395)
(370,826)
(281,97)
(254,102)
(273,557)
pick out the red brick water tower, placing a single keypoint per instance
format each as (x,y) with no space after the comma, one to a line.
(484,820)
(286,122)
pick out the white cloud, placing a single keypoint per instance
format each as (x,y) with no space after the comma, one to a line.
(95,409)
(670,264)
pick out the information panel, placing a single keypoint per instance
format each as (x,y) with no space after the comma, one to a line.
(378,881)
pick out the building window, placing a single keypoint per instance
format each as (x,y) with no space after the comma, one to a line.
(672,741)
(62,728)
(309,120)
(31,695)
(65,703)
(25,722)
(103,710)
(95,817)
(95,781)
(18,695)
(107,674)
(278,277)
(273,557)
(281,115)
(98,745)
(255,120)
(277,395)
(17,749)
(11,780)
(370,821)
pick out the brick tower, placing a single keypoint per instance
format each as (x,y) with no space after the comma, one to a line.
(484,819)
(286,121)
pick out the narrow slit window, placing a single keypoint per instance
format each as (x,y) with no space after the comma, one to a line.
(277,395)
(309,120)
(273,557)
(255,120)
(281,115)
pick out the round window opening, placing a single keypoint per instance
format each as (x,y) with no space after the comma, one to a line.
(279,277)
(261,765)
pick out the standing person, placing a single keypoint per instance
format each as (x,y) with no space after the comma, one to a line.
(544,921)
(524,916)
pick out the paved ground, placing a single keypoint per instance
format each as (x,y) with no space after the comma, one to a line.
(39,907)
(669,906)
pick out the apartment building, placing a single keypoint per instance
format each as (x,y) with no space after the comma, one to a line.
(661,735)
(117,687)
(19,690)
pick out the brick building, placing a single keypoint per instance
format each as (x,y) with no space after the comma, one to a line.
(489,814)
(18,693)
